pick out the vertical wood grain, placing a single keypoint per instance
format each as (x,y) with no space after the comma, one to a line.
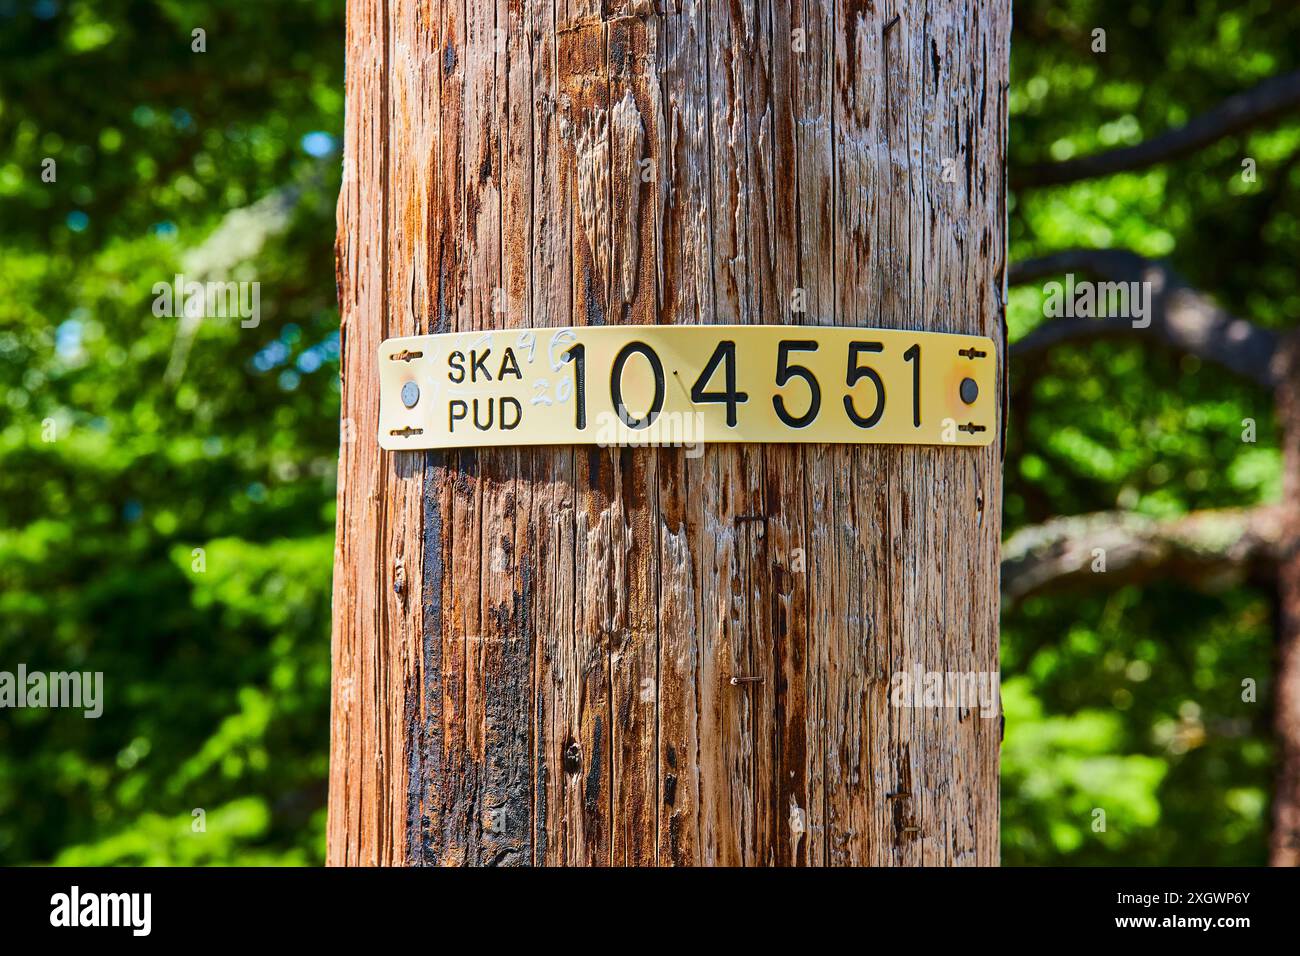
(534,648)
(1284,841)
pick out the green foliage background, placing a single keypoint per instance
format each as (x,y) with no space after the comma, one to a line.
(226,164)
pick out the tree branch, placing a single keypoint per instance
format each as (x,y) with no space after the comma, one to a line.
(1275,97)
(1206,549)
(1184,318)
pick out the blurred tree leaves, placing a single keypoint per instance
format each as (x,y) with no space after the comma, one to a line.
(126,443)
(1130,700)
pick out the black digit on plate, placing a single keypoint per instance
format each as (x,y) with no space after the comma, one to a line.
(913,355)
(856,372)
(616,384)
(577,354)
(724,353)
(785,372)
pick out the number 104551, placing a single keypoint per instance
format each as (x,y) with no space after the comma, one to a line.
(615,385)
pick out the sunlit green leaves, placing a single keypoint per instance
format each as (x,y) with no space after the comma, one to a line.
(1126,424)
(112,473)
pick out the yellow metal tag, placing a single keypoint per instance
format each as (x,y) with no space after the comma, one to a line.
(686,385)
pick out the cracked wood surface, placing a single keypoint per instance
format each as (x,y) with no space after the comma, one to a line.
(534,649)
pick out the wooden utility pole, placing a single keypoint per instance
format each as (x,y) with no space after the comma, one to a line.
(586,656)
(1284,841)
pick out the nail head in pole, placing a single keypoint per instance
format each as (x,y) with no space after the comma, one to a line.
(970,391)
(411,394)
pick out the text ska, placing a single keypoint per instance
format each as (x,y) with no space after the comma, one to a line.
(478,368)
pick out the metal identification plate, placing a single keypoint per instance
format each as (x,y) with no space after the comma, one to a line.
(686,385)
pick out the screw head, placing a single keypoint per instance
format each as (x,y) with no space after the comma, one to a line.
(411,394)
(970,391)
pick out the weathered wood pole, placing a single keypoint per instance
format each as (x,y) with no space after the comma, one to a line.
(533,648)
(1284,840)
